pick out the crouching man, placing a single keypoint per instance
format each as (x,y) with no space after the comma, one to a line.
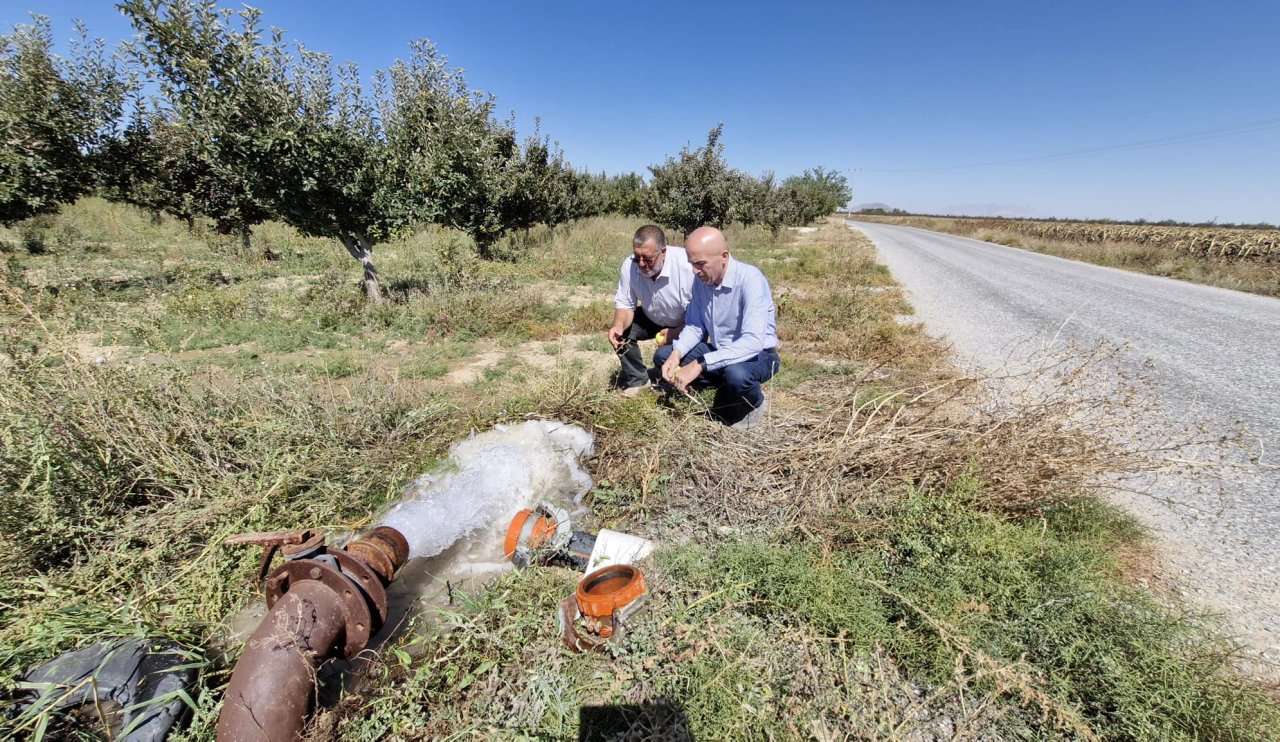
(653,292)
(730,333)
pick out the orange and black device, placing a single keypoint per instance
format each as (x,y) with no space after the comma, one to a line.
(543,536)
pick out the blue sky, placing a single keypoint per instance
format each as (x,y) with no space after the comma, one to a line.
(882,87)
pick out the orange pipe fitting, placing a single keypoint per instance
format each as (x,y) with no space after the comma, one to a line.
(536,530)
(606,591)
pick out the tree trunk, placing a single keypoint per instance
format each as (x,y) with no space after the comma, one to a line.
(246,242)
(361,248)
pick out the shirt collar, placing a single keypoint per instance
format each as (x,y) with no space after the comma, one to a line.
(666,264)
(730,274)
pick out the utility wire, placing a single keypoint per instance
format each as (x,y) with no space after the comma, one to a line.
(1195,136)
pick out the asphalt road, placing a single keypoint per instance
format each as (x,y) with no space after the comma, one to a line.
(1215,357)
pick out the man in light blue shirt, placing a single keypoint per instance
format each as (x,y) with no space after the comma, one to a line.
(730,335)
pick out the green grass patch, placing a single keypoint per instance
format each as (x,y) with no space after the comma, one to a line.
(597,343)
(425,368)
(339,366)
(1011,615)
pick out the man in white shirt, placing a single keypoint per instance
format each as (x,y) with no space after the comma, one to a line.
(730,335)
(653,292)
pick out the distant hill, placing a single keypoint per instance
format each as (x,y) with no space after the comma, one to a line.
(872,205)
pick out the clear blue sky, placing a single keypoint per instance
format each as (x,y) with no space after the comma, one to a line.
(885,86)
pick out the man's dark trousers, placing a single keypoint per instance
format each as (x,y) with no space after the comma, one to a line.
(737,385)
(634,373)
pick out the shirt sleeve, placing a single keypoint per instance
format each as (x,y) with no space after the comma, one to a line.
(625,298)
(755,325)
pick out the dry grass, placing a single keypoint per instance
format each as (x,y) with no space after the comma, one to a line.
(876,562)
(885,413)
(842,458)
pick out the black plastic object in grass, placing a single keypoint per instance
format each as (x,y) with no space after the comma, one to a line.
(138,689)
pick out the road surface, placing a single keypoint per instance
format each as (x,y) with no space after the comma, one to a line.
(1215,355)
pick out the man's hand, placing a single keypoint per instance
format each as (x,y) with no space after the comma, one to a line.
(622,319)
(685,375)
(670,368)
(670,335)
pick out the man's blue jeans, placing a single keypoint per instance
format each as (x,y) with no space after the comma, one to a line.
(737,385)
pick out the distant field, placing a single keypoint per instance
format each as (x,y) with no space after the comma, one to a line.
(1235,258)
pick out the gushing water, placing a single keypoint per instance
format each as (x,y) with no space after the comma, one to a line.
(459,515)
(488,478)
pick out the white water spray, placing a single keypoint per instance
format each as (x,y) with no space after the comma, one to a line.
(488,478)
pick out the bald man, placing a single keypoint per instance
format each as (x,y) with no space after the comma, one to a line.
(730,336)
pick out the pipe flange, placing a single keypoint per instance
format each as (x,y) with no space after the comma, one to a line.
(364,576)
(350,595)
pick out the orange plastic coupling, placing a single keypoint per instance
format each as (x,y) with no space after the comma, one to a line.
(533,534)
(608,589)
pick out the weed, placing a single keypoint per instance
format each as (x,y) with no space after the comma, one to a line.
(425,369)
(500,369)
(596,343)
(339,366)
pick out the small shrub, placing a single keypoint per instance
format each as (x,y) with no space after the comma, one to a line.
(34,233)
(211,304)
(425,369)
(340,366)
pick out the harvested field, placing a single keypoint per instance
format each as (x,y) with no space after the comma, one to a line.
(1234,258)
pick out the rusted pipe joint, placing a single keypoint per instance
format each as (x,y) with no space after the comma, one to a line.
(325,603)
(384,549)
(357,576)
(273,684)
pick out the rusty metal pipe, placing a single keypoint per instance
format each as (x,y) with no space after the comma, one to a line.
(321,606)
(274,682)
